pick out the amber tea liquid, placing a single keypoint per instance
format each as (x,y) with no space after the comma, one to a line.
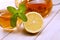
(5,20)
(41,6)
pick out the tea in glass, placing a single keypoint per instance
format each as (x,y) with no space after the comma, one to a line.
(5,20)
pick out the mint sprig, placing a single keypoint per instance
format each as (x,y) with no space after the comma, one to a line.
(17,13)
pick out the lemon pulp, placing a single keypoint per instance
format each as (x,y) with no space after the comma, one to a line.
(34,22)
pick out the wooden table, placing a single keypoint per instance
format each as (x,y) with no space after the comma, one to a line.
(51,30)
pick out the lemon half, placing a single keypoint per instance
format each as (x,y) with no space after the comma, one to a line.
(34,22)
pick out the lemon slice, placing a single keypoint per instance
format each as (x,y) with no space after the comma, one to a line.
(34,22)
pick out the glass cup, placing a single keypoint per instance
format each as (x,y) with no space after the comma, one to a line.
(5,21)
(41,6)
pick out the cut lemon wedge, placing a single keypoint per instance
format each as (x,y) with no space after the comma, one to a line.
(34,22)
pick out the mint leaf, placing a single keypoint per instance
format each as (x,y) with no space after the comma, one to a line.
(22,8)
(13,20)
(21,11)
(11,9)
(22,16)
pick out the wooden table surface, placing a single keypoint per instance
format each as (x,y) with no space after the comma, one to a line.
(51,30)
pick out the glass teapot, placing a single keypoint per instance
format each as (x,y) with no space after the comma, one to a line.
(41,6)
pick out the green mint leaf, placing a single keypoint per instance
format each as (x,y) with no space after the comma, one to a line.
(22,16)
(13,20)
(21,11)
(22,8)
(11,9)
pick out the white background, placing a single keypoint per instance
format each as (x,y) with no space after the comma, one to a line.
(52,24)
